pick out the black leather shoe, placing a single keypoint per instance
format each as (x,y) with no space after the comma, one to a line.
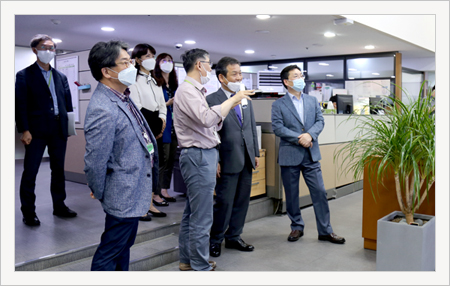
(31,221)
(215,249)
(65,212)
(239,245)
(333,238)
(161,204)
(168,199)
(145,217)
(157,214)
(295,235)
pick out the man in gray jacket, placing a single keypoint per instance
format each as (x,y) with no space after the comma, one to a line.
(121,161)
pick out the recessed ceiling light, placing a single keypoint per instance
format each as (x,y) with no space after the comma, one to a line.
(249,51)
(329,34)
(107,29)
(351,78)
(56,41)
(330,75)
(375,73)
(263,17)
(272,67)
(130,49)
(323,64)
(352,69)
(369,47)
(190,42)
(392,76)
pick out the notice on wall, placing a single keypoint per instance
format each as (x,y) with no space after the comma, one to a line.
(69,67)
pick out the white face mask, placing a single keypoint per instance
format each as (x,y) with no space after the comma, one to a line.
(126,76)
(234,86)
(205,79)
(149,64)
(166,67)
(45,56)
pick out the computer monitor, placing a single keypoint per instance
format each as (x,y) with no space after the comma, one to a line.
(344,103)
(376,104)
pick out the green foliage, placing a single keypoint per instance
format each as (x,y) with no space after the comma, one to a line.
(402,140)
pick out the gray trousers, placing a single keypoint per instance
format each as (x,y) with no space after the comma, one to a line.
(312,174)
(198,168)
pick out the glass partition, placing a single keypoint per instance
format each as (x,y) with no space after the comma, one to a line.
(378,67)
(325,69)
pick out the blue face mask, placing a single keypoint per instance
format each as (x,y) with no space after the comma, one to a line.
(299,84)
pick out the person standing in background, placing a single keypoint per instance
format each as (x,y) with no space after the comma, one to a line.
(238,155)
(42,101)
(149,99)
(166,77)
(196,125)
(121,159)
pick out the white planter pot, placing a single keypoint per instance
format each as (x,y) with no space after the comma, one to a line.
(402,247)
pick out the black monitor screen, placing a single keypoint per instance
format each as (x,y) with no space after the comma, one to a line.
(376,104)
(344,103)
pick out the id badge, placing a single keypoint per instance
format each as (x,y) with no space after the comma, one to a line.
(150,148)
(217,137)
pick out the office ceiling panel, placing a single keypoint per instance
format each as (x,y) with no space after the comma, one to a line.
(280,37)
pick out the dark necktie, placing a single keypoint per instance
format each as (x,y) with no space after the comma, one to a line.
(238,112)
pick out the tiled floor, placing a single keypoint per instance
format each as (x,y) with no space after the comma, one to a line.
(269,235)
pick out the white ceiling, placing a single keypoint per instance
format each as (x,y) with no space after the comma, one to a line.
(288,36)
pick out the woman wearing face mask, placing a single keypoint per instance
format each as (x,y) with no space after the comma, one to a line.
(166,77)
(149,98)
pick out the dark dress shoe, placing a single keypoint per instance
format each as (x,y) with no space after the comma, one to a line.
(31,221)
(168,199)
(239,245)
(161,204)
(145,217)
(332,237)
(157,214)
(215,249)
(64,212)
(295,235)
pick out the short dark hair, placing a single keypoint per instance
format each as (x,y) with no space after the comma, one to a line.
(104,55)
(221,67)
(141,50)
(39,38)
(157,75)
(285,73)
(333,98)
(190,57)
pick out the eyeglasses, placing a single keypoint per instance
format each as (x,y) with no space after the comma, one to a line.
(126,63)
(209,63)
(48,48)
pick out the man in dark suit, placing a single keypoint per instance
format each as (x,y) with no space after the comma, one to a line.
(42,102)
(298,121)
(238,155)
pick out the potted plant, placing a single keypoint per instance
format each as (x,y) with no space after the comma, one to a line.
(401,141)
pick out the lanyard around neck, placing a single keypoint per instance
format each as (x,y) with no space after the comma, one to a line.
(50,79)
(194,86)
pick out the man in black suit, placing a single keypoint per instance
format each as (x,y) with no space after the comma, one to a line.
(42,102)
(238,155)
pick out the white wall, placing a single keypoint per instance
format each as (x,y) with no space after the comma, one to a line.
(23,57)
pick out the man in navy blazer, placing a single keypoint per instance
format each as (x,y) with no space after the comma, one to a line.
(238,156)
(297,119)
(42,102)
(121,161)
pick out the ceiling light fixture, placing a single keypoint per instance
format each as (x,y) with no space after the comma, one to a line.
(190,42)
(272,67)
(130,49)
(329,34)
(323,64)
(351,69)
(263,17)
(343,22)
(369,47)
(375,73)
(330,75)
(107,29)
(351,78)
(56,41)
(249,51)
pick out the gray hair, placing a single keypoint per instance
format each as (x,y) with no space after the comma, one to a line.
(104,55)
(39,38)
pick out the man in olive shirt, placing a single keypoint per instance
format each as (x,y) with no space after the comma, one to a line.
(196,126)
